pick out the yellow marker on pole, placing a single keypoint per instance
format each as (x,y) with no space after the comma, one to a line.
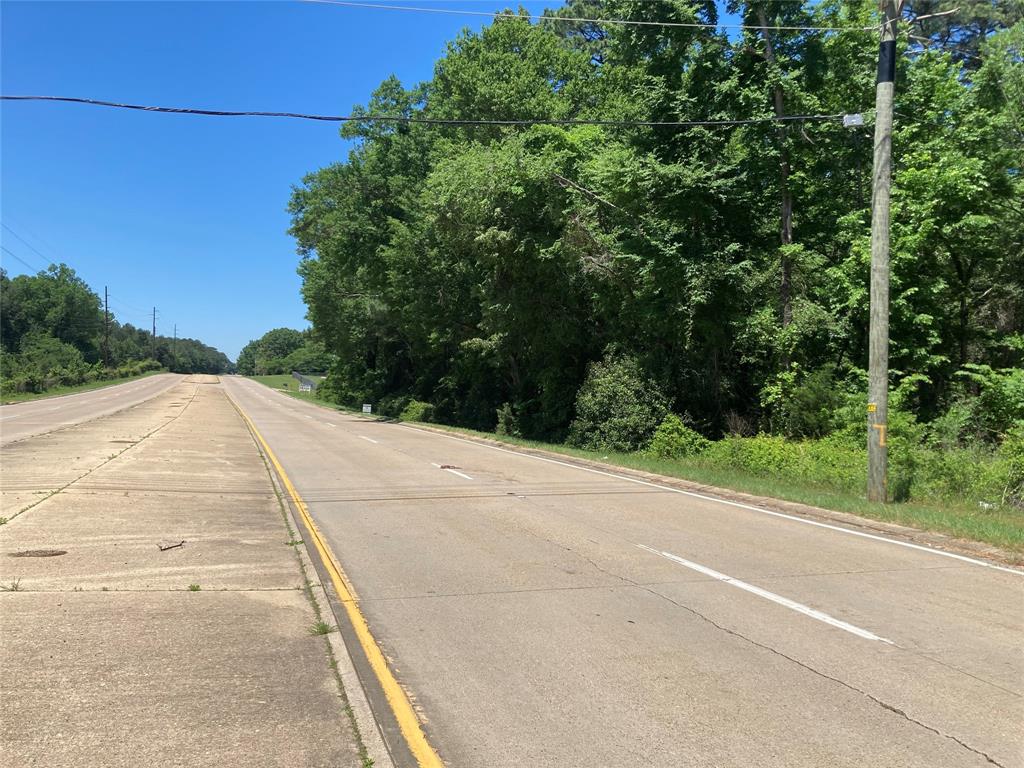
(398,700)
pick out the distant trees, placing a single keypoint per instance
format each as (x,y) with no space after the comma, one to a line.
(284,350)
(52,333)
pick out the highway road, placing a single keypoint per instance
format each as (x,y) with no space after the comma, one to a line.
(36,417)
(543,614)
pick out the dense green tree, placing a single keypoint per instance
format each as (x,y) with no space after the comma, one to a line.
(53,331)
(482,269)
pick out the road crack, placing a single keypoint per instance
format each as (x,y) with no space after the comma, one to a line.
(884,704)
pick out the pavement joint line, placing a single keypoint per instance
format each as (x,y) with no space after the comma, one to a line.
(401,706)
(793,605)
(69,424)
(737,504)
(104,463)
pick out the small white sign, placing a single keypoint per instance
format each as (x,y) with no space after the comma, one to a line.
(852,120)
(367,408)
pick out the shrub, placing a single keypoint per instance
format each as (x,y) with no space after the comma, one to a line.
(508,422)
(1011,452)
(673,439)
(417,410)
(803,404)
(618,408)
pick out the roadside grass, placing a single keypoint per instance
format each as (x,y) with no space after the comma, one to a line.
(290,386)
(22,397)
(194,588)
(1001,526)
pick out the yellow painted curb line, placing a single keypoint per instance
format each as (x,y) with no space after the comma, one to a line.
(408,722)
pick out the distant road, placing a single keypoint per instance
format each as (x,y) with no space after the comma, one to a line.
(36,417)
(543,614)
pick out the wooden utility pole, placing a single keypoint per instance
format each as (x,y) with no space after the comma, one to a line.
(174,349)
(786,207)
(878,340)
(106,328)
(152,339)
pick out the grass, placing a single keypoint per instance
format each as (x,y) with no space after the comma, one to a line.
(290,386)
(23,397)
(194,588)
(1001,526)
(14,586)
(321,628)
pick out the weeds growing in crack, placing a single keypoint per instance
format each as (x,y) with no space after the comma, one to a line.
(321,628)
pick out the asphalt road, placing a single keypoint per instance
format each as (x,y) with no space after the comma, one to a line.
(37,417)
(541,614)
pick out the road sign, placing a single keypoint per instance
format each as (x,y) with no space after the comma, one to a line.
(367,408)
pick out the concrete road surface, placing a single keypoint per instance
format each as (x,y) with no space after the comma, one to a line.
(21,420)
(107,657)
(541,614)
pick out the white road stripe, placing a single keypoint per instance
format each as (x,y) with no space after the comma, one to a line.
(784,601)
(456,472)
(367,439)
(330,424)
(740,505)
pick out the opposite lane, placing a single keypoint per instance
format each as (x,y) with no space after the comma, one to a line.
(36,417)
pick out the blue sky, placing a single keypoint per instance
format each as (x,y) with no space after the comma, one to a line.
(188,213)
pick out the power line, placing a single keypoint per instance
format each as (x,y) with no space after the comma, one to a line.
(15,256)
(612,22)
(124,303)
(27,244)
(425,120)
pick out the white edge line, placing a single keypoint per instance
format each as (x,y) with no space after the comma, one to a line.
(456,472)
(740,505)
(784,601)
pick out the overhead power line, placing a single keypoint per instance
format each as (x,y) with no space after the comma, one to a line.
(611,22)
(425,120)
(26,243)
(15,256)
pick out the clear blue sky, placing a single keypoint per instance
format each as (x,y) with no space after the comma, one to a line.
(188,213)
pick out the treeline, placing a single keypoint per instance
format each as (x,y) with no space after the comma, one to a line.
(52,333)
(483,270)
(284,350)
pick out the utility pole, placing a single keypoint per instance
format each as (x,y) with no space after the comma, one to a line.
(174,349)
(106,328)
(878,339)
(152,339)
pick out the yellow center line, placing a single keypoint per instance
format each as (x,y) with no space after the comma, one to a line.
(397,699)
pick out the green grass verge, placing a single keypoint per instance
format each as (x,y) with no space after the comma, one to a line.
(1002,526)
(288,384)
(22,397)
